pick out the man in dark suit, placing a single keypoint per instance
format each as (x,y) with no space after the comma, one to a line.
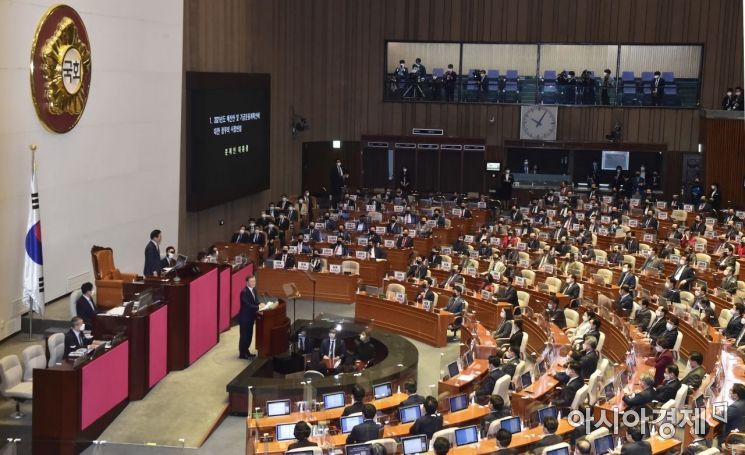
(85,307)
(635,444)
(670,335)
(368,429)
(625,302)
(573,384)
(652,262)
(455,278)
(358,394)
(729,281)
(696,371)
(170,258)
(417,270)
(413,398)
(550,425)
(735,411)
(285,257)
(571,288)
(670,385)
(627,278)
(340,249)
(332,347)
(643,315)
(497,412)
(671,294)
(642,398)
(455,304)
(736,322)
(375,251)
(74,338)
(303,343)
(247,316)
(658,89)
(495,372)
(659,325)
(683,275)
(241,236)
(504,439)
(508,293)
(338,177)
(404,241)
(426,293)
(152,254)
(588,357)
(555,314)
(430,422)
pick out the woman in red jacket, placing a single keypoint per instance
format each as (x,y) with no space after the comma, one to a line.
(662,358)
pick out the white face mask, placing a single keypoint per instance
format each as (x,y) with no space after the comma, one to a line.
(585,318)
(332,336)
(81,328)
(502,315)
(242,231)
(658,348)
(669,326)
(170,255)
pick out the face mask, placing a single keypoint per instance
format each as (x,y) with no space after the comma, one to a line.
(242,231)
(362,338)
(82,328)
(332,336)
(170,255)
(284,199)
(502,315)
(658,348)
(669,326)
(682,262)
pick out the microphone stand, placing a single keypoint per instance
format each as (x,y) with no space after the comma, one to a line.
(312,280)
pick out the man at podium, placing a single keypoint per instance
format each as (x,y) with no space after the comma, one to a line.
(247,316)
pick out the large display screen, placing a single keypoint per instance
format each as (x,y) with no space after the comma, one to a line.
(227,117)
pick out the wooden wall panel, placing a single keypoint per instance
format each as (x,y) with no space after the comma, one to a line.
(724,161)
(326,58)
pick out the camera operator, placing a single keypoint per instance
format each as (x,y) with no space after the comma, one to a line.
(450,79)
(402,75)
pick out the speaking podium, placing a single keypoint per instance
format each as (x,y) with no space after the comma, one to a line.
(273,330)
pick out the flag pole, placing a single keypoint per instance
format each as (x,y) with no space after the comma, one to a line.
(30,298)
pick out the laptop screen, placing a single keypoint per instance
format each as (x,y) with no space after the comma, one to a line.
(526,379)
(512,425)
(358,449)
(409,413)
(453,369)
(382,390)
(548,411)
(562,451)
(349,422)
(458,402)
(467,435)
(277,408)
(285,431)
(603,445)
(333,400)
(610,390)
(414,444)
(469,358)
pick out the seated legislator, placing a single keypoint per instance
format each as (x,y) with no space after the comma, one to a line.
(683,276)
(549,438)
(454,277)
(729,281)
(429,423)
(625,302)
(426,292)
(555,314)
(498,411)
(627,278)
(571,289)
(301,433)
(413,398)
(404,241)
(735,421)
(670,335)
(375,251)
(368,429)
(358,394)
(508,293)
(663,357)
(417,269)
(316,264)
(455,304)
(170,259)
(736,322)
(85,307)
(588,357)
(241,236)
(670,385)
(74,338)
(287,259)
(696,371)
(643,315)
(340,249)
(504,330)
(504,439)
(635,445)
(441,446)
(573,384)
(660,323)
(636,401)
(495,372)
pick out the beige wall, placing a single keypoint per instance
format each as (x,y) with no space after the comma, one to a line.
(502,57)
(114,177)
(683,61)
(433,55)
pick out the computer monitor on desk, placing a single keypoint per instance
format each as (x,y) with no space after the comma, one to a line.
(285,431)
(458,402)
(277,408)
(349,422)
(409,414)
(466,435)
(358,449)
(333,400)
(511,424)
(543,413)
(383,390)
(603,445)
(414,444)
(561,451)
(453,369)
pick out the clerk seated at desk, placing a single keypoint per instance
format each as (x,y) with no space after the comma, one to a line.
(550,425)
(75,338)
(364,351)
(430,422)
(368,429)
(85,307)
(413,398)
(301,433)
(358,394)
(332,347)
(303,344)
(170,259)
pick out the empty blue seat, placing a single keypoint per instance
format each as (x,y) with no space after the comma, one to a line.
(549,75)
(627,76)
(511,75)
(438,72)
(492,74)
(647,76)
(669,76)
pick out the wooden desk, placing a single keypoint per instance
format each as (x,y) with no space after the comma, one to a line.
(272,330)
(72,405)
(426,326)
(465,380)
(330,287)
(371,271)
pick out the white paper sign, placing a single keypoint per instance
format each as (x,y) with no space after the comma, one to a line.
(520,281)
(648,238)
(362,241)
(446,266)
(292,249)
(551,213)
(481,205)
(370,207)
(633,223)
(523,263)
(331,239)
(389,243)
(327,252)
(400,276)
(522,246)
(688,207)
(486,295)
(303,265)
(662,205)
(661,215)
(398,208)
(278,264)
(360,255)
(468,238)
(457,212)
(350,226)
(605,219)
(335,268)
(471,271)
(400,297)
(380,230)
(447,250)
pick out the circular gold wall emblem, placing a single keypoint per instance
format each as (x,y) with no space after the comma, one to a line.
(60,68)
